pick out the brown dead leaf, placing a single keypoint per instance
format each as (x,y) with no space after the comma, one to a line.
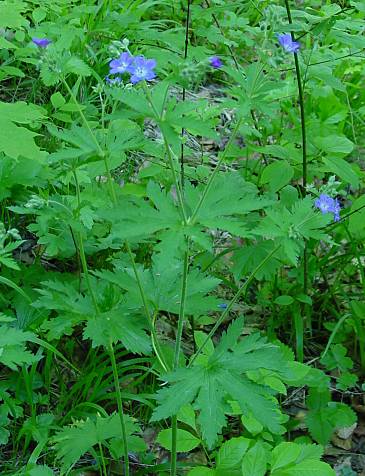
(340,443)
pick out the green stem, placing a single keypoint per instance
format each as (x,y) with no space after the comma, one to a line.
(84,120)
(301,105)
(110,180)
(214,173)
(180,325)
(155,341)
(180,328)
(357,255)
(82,250)
(120,408)
(304,154)
(173,466)
(175,179)
(169,154)
(111,350)
(102,460)
(182,162)
(240,291)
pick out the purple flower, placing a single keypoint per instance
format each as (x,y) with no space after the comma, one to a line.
(327,204)
(215,62)
(113,81)
(121,64)
(336,210)
(142,69)
(288,44)
(41,42)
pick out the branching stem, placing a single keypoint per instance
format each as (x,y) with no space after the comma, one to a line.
(215,172)
(224,314)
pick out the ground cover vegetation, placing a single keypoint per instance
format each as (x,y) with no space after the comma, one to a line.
(182,237)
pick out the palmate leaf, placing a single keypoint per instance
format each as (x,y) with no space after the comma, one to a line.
(117,325)
(78,137)
(114,322)
(249,257)
(11,15)
(161,284)
(223,376)
(228,201)
(292,227)
(16,141)
(230,198)
(135,218)
(12,347)
(74,441)
(122,135)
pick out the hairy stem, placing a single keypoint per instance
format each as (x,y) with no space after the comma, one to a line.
(111,350)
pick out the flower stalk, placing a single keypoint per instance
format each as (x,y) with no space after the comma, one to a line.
(304,141)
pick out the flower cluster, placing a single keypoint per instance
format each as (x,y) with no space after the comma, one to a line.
(139,68)
(327,204)
(288,44)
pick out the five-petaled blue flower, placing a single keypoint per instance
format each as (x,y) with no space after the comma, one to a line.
(223,305)
(121,64)
(142,69)
(215,62)
(41,42)
(327,204)
(288,44)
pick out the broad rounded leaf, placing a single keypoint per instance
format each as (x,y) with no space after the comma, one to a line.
(231,452)
(254,462)
(277,175)
(185,440)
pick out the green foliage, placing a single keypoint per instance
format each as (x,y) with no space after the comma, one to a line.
(291,459)
(17,140)
(185,440)
(140,221)
(286,459)
(226,374)
(13,351)
(325,417)
(294,226)
(160,283)
(74,441)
